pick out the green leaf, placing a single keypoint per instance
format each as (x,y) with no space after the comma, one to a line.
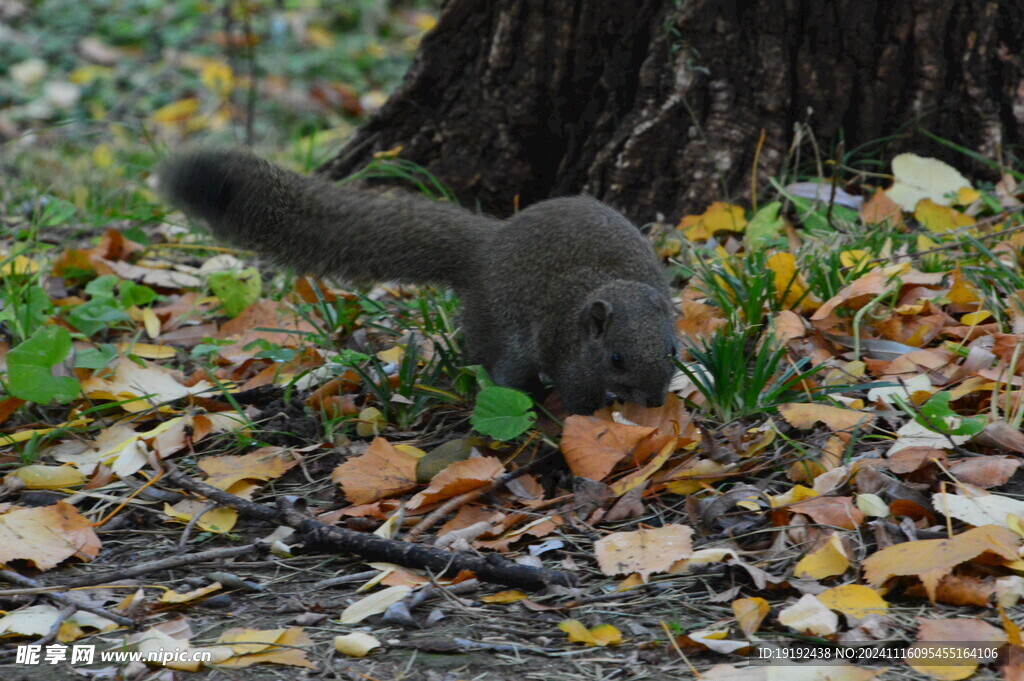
(763,227)
(27,311)
(236,290)
(96,314)
(29,364)
(502,413)
(135,294)
(95,358)
(936,411)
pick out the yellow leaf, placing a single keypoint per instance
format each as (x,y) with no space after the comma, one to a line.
(502,597)
(319,37)
(37,476)
(940,219)
(855,600)
(356,644)
(967,195)
(87,74)
(176,112)
(828,560)
(854,258)
(793,494)
(217,77)
(719,217)
(217,520)
(175,597)
(601,635)
(972,318)
(606,635)
(148,350)
(19,264)
(790,287)
(102,156)
(392,354)
(577,632)
(750,612)
(151,322)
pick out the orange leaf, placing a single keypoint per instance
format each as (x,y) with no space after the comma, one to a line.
(381,471)
(46,535)
(458,478)
(593,447)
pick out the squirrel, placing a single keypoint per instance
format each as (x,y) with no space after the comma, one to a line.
(568,288)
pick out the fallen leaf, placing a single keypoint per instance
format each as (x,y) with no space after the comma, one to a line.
(274,646)
(854,600)
(601,635)
(809,616)
(47,535)
(356,644)
(266,463)
(644,551)
(919,177)
(931,559)
(593,447)
(827,560)
(978,509)
(750,612)
(805,415)
(381,471)
(374,604)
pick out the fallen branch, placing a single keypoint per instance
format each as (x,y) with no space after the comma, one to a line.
(490,568)
(67,601)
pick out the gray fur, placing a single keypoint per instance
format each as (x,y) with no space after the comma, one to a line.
(556,290)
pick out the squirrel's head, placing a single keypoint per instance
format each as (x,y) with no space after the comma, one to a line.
(629,341)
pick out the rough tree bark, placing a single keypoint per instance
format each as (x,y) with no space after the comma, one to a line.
(659,105)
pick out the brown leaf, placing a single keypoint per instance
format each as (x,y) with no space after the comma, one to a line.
(643,551)
(381,471)
(805,415)
(593,446)
(834,511)
(266,463)
(46,535)
(932,559)
(956,590)
(456,479)
(985,471)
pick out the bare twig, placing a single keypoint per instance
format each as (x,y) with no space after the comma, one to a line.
(213,555)
(491,568)
(65,600)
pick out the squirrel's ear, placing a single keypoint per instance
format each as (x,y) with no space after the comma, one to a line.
(596,317)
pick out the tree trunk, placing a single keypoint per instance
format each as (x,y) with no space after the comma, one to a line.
(660,105)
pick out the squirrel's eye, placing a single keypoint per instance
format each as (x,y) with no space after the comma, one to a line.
(618,362)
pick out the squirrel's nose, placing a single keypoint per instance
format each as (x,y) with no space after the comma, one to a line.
(656,401)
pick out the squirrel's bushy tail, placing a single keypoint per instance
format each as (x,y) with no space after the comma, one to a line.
(321,228)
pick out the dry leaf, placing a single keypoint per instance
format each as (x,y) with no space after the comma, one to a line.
(932,559)
(810,616)
(854,600)
(644,551)
(837,418)
(47,535)
(374,604)
(828,560)
(593,447)
(266,463)
(458,478)
(750,612)
(381,471)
